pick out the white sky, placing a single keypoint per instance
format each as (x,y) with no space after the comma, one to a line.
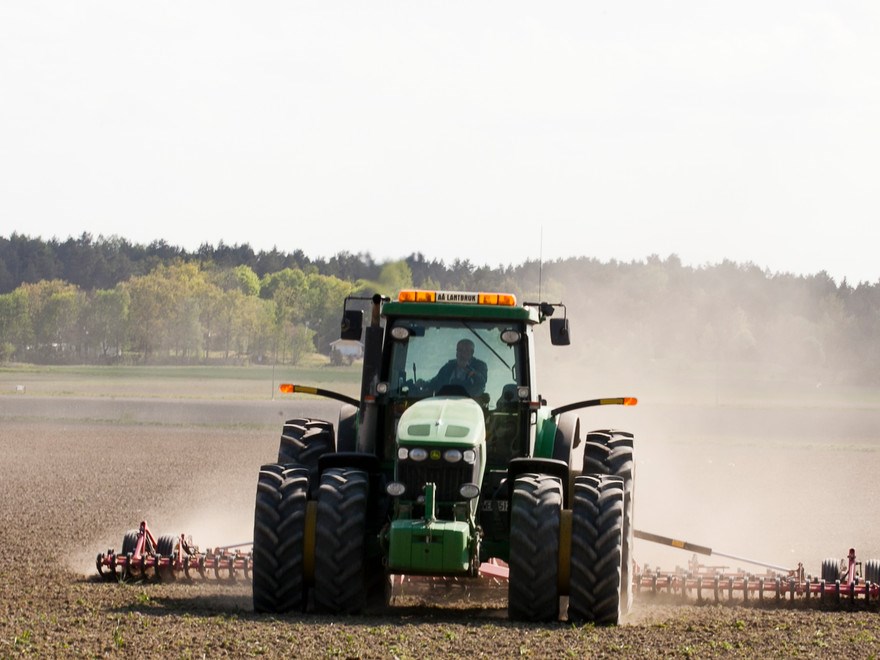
(746,130)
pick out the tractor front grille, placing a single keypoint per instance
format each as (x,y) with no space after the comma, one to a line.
(448,477)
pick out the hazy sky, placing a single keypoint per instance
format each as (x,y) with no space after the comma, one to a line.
(746,130)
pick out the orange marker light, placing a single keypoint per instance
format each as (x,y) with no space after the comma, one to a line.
(630,401)
(411,295)
(505,299)
(290,388)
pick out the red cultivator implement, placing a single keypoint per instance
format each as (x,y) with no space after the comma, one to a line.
(170,557)
(841,582)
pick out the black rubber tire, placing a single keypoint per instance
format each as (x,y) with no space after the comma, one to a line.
(568,428)
(536,506)
(597,550)
(129,542)
(303,441)
(279,539)
(346,428)
(340,540)
(830,569)
(165,546)
(872,571)
(613,453)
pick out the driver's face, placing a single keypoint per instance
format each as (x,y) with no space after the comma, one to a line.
(464,352)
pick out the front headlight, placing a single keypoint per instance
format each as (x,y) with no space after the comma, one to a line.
(469,456)
(395,489)
(452,455)
(418,454)
(469,491)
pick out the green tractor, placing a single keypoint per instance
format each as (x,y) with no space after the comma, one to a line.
(450,459)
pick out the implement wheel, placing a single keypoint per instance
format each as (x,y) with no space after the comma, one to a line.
(302,442)
(596,550)
(165,547)
(612,452)
(872,571)
(830,570)
(536,505)
(279,532)
(340,534)
(129,544)
(129,541)
(166,544)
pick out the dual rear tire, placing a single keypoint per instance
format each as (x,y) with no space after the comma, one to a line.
(610,452)
(280,540)
(536,507)
(279,533)
(597,542)
(596,555)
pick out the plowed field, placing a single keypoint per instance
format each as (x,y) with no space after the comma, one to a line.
(76,474)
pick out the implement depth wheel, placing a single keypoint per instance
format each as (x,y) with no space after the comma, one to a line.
(830,570)
(536,505)
(340,534)
(872,571)
(279,533)
(596,550)
(129,541)
(165,547)
(129,544)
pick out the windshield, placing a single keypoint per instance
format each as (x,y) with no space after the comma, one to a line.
(455,357)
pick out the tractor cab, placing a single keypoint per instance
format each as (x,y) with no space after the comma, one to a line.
(483,361)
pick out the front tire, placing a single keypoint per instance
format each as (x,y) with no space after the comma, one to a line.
(536,505)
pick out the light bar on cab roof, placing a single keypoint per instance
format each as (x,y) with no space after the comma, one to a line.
(417,296)
(460,297)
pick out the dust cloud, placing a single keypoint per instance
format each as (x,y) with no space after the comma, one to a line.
(778,468)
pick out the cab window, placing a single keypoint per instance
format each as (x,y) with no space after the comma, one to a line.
(470,356)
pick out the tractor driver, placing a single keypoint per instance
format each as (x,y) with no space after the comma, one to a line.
(465,370)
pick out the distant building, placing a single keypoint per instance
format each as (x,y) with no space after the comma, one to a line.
(348,348)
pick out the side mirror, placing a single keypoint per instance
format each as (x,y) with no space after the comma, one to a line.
(352,324)
(559,335)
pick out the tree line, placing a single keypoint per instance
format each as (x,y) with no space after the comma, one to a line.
(180,313)
(107,300)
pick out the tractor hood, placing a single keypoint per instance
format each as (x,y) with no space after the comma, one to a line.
(443,420)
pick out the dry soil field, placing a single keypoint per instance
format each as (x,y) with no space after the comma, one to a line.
(75,473)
